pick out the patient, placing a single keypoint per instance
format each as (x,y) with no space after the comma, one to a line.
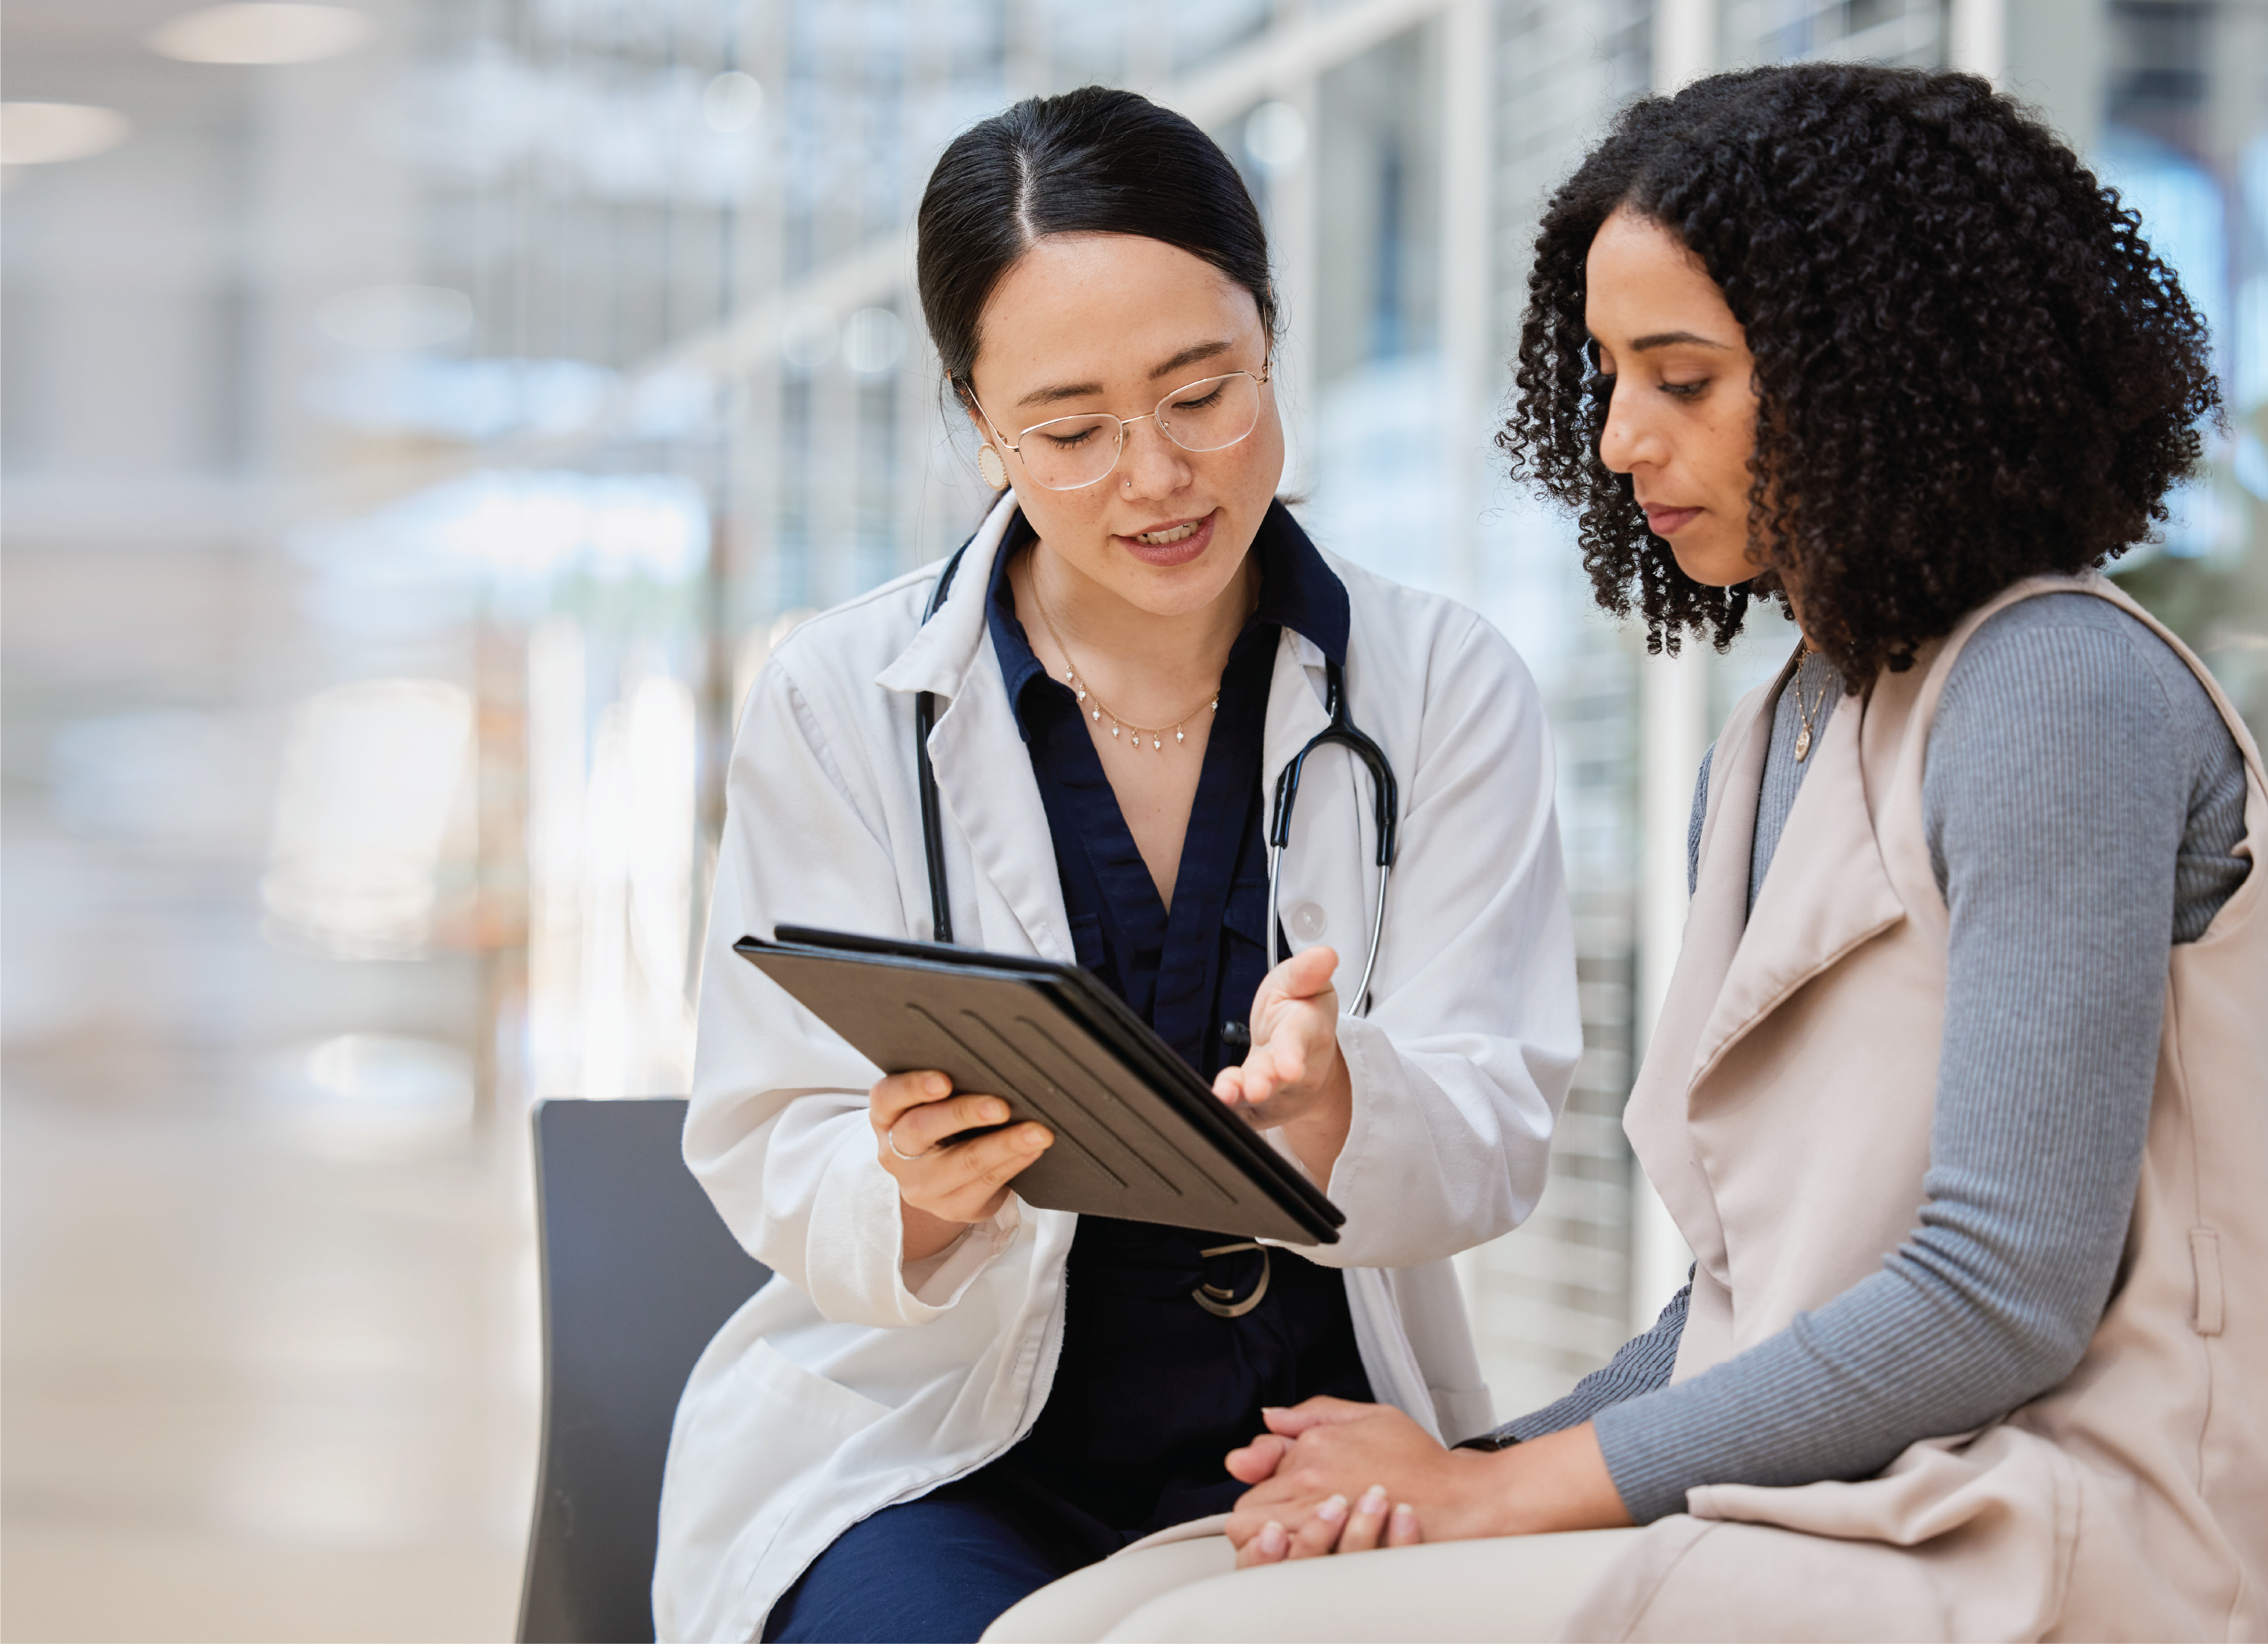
(1958,1092)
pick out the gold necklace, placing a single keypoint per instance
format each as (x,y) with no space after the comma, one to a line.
(1096,711)
(1803,735)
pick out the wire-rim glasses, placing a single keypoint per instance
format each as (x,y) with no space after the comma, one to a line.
(1069,454)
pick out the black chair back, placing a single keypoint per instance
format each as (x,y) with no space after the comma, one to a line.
(638,1273)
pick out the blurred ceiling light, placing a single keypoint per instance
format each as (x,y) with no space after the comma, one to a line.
(873,342)
(396,316)
(732,102)
(807,338)
(264,34)
(1275,135)
(43,134)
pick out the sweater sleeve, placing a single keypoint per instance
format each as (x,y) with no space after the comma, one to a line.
(2055,801)
(1643,1364)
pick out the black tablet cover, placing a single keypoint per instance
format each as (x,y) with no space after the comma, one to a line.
(1138,1135)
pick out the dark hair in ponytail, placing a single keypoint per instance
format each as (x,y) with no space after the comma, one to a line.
(1093,161)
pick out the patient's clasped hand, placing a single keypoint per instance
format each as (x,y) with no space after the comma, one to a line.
(1332,1476)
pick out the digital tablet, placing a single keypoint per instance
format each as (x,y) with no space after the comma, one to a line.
(1138,1135)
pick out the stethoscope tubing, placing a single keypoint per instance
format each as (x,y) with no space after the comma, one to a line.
(1361,1007)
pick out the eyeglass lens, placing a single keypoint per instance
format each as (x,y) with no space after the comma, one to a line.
(1069,453)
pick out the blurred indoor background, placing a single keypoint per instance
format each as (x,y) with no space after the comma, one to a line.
(420,418)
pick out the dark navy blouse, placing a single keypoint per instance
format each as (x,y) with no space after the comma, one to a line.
(1151,1391)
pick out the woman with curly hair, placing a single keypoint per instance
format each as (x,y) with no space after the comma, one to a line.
(1960,1091)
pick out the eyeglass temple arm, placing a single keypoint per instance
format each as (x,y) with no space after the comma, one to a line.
(969,388)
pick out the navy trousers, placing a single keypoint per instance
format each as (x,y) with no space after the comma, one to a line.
(1151,1393)
(939,1570)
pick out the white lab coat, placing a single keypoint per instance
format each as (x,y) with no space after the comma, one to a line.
(854,1380)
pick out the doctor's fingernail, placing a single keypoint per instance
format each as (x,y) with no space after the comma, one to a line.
(993,1112)
(1373,1503)
(937,1084)
(1273,1539)
(1405,1518)
(1332,1510)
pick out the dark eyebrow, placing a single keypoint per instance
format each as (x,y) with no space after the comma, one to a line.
(1060,391)
(1188,355)
(1665,339)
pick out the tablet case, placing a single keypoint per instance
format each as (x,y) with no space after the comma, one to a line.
(1138,1135)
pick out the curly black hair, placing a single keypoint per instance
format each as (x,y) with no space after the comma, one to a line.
(1970,366)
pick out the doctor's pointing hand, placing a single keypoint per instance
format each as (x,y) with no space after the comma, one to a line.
(1294,1077)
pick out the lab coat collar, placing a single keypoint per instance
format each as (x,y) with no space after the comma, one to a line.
(1299,591)
(939,657)
(991,797)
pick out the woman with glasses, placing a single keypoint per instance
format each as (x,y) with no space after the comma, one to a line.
(947,1398)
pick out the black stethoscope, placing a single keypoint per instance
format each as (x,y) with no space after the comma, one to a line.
(1341,731)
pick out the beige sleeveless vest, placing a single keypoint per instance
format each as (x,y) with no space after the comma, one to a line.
(1784,1113)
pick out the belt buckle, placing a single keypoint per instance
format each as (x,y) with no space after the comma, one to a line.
(1221,1301)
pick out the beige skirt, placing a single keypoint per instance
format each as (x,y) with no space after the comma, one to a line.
(1503,1591)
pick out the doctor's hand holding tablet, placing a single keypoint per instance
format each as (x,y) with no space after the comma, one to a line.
(949,1179)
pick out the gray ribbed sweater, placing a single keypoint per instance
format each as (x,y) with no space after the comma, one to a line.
(2082,802)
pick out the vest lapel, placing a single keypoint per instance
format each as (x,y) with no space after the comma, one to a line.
(1826,893)
(1655,1118)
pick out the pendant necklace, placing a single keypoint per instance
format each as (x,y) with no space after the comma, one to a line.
(1094,705)
(1807,714)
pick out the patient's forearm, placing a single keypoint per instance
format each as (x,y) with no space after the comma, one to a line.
(1558,1482)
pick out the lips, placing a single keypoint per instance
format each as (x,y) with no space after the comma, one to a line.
(1665,521)
(1180,549)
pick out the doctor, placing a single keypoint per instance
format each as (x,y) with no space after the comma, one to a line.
(945,1399)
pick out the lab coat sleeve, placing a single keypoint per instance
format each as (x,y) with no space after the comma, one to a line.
(1462,1065)
(777,1129)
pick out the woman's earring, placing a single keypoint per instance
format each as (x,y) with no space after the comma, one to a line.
(994,470)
